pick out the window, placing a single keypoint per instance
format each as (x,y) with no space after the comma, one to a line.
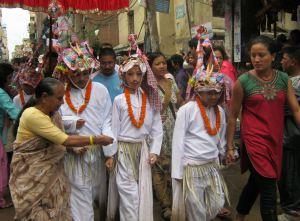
(130,16)
(219,8)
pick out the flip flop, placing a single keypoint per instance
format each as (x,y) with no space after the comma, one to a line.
(224,213)
(6,204)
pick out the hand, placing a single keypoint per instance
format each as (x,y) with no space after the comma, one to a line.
(103,140)
(80,150)
(152,158)
(80,123)
(163,118)
(230,156)
(109,163)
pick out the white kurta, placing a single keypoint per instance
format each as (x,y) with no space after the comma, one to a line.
(88,181)
(192,145)
(17,100)
(191,142)
(128,188)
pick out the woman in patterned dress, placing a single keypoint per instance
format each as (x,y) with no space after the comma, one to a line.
(262,94)
(168,92)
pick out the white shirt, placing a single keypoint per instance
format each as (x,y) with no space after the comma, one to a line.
(124,130)
(17,100)
(97,114)
(191,142)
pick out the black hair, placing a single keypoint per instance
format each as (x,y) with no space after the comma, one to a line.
(6,69)
(47,85)
(292,52)
(177,59)
(294,37)
(107,52)
(153,55)
(106,45)
(266,41)
(193,43)
(222,50)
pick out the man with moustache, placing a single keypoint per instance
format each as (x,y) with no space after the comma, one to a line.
(108,75)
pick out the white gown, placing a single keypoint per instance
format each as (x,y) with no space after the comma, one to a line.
(87,174)
(135,205)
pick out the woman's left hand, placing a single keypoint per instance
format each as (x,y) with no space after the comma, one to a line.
(152,158)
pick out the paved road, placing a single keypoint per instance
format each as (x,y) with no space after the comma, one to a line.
(235,182)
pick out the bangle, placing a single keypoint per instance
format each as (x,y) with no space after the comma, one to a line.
(91,140)
(230,148)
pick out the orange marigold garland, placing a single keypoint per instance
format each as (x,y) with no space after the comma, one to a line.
(210,131)
(140,123)
(86,98)
(22,98)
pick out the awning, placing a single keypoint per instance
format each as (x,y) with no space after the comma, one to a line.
(72,6)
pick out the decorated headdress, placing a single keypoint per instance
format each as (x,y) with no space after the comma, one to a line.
(204,78)
(76,58)
(29,73)
(141,60)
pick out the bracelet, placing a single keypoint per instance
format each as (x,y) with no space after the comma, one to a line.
(91,140)
(230,149)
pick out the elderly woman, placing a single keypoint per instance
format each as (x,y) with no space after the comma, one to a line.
(39,187)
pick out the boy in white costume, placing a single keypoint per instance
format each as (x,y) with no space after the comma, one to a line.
(136,122)
(86,110)
(199,190)
(26,81)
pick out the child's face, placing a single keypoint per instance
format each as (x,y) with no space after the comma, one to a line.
(134,77)
(209,98)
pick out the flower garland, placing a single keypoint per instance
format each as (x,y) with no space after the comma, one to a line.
(86,98)
(22,98)
(210,131)
(140,123)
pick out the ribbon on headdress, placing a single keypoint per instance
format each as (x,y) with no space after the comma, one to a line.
(207,80)
(140,58)
(132,61)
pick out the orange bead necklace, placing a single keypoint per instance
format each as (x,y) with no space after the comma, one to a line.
(134,122)
(207,123)
(87,98)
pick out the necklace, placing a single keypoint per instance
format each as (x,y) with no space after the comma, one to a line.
(207,123)
(134,122)
(86,98)
(22,98)
(268,88)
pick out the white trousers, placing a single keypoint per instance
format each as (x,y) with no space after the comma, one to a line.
(88,183)
(128,190)
(195,205)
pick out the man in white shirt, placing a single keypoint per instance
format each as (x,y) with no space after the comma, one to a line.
(87,110)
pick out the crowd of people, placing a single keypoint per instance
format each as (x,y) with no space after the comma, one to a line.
(117,135)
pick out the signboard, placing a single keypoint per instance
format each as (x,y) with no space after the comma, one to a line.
(162,6)
(298,16)
(208,30)
(180,11)
(237,48)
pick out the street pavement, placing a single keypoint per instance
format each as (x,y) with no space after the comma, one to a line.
(235,182)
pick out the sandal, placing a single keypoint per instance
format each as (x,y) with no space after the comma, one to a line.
(5,204)
(224,213)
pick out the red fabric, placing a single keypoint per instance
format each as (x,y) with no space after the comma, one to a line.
(228,69)
(69,5)
(262,134)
